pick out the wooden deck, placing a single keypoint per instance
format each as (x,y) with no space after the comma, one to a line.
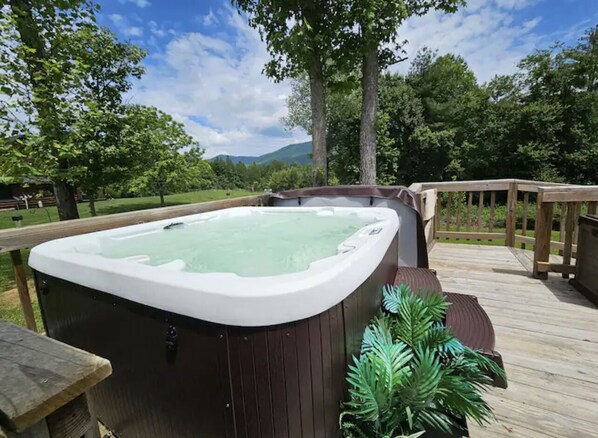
(548,336)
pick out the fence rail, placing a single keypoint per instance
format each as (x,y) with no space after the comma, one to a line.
(461,205)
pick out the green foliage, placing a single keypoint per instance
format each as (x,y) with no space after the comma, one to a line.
(274,175)
(290,178)
(107,67)
(412,374)
(62,114)
(174,160)
(298,33)
(38,76)
(437,123)
(374,24)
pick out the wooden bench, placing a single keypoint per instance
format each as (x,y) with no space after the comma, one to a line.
(43,385)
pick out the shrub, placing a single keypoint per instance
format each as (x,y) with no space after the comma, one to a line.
(413,374)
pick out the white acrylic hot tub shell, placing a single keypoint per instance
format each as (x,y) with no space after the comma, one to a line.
(223,297)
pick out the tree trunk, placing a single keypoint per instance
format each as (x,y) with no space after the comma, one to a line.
(318,122)
(369,109)
(65,201)
(29,33)
(92,205)
(162,203)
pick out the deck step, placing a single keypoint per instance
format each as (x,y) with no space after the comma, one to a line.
(466,317)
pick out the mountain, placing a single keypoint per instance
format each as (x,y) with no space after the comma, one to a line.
(292,153)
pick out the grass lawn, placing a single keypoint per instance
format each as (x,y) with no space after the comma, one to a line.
(9,302)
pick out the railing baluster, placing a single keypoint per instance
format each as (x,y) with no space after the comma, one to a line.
(438,213)
(576,224)
(492,203)
(458,211)
(562,224)
(524,219)
(569,230)
(449,201)
(592,207)
(469,207)
(480,211)
(511,215)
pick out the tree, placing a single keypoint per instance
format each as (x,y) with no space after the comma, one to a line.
(107,67)
(300,37)
(562,81)
(173,160)
(37,78)
(375,45)
(292,177)
(399,116)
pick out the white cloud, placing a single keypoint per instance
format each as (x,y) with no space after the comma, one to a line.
(122,24)
(159,31)
(515,4)
(116,19)
(132,31)
(214,84)
(210,19)
(486,34)
(138,3)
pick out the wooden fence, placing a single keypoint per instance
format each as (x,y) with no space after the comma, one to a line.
(14,240)
(460,208)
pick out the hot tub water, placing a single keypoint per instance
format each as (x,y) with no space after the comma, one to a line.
(249,245)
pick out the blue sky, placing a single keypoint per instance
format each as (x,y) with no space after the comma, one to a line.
(204,64)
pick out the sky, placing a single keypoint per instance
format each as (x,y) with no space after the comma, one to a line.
(205,63)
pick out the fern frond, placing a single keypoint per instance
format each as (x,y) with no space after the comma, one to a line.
(462,398)
(378,332)
(413,321)
(393,297)
(441,339)
(434,419)
(435,303)
(375,376)
(391,365)
(420,387)
(484,363)
(365,391)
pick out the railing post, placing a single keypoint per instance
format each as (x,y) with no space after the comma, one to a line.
(543,231)
(511,215)
(23,289)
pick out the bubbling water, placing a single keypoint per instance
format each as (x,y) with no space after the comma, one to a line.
(253,245)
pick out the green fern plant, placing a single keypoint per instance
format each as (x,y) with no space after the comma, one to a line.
(412,374)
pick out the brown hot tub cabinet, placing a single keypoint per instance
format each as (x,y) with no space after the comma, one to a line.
(586,270)
(176,376)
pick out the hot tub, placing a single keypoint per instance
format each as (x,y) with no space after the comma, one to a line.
(238,322)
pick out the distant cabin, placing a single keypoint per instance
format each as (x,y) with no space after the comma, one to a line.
(35,189)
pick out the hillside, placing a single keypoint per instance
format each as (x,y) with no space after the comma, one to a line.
(293,153)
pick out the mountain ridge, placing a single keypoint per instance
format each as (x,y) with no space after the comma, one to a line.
(298,153)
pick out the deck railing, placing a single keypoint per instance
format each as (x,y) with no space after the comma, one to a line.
(466,210)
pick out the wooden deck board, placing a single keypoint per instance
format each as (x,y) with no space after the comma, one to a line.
(547,334)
